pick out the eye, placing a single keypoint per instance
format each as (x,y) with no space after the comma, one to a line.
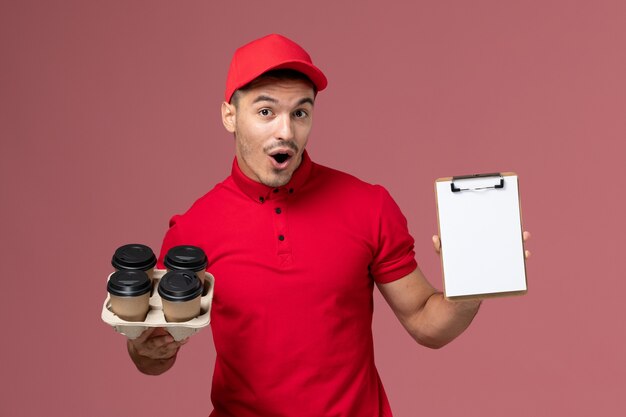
(299,114)
(265,112)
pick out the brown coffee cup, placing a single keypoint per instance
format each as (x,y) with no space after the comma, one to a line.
(134,257)
(180,293)
(130,294)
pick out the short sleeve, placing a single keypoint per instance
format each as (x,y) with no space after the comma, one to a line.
(395,254)
(172,238)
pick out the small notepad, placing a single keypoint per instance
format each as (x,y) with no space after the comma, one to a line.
(480,227)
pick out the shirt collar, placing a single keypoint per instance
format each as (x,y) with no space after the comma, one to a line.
(261,192)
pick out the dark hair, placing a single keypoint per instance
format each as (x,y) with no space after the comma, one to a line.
(274,75)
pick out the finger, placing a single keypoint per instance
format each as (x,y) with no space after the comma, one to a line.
(144,336)
(150,335)
(167,351)
(160,331)
(526,235)
(163,352)
(158,341)
(153,338)
(437,243)
(527,254)
(158,347)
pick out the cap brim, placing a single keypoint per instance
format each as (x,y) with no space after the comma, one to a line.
(315,74)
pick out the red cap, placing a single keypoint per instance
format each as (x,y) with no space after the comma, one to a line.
(269,53)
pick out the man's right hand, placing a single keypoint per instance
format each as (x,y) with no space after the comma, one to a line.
(154,351)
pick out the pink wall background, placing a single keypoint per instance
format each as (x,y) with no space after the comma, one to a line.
(109,124)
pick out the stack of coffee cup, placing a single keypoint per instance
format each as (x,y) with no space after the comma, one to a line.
(182,286)
(131,284)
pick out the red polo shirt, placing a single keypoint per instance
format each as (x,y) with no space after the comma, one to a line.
(294,271)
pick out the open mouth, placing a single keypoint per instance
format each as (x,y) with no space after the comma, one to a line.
(281,157)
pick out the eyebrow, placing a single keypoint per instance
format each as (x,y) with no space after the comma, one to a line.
(264,98)
(306,100)
(273,100)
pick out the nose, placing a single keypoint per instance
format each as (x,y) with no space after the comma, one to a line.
(284,130)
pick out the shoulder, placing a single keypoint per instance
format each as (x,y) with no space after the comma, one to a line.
(334,181)
(208,202)
(334,177)
(219,191)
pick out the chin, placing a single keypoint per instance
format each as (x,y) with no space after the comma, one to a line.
(274,183)
(277,180)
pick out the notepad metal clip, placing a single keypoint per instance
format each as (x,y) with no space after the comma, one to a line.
(456,189)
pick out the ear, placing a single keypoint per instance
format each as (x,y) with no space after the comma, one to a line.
(229,116)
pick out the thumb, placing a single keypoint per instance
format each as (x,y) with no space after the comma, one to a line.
(145,335)
(437,243)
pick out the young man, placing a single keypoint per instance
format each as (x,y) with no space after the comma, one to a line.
(296,249)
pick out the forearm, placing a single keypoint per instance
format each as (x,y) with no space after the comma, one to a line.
(432,320)
(148,365)
(440,321)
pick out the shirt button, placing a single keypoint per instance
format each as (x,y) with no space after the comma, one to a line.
(281,237)
(291,191)
(278,210)
(261,199)
(276,190)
